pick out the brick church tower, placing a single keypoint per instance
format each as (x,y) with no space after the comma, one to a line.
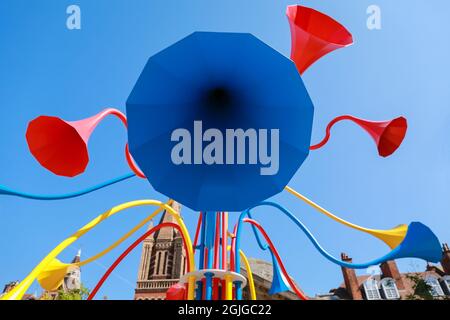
(163,261)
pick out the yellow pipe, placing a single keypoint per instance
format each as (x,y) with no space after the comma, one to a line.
(251,282)
(52,277)
(22,287)
(228,287)
(122,239)
(392,237)
(191,287)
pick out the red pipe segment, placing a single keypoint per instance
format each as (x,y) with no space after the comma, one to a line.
(300,294)
(131,248)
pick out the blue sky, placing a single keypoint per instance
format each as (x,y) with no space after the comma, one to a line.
(401,69)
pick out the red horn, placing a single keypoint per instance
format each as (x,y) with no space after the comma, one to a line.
(388,135)
(61,146)
(314,35)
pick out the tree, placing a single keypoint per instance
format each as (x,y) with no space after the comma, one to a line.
(74,294)
(422,290)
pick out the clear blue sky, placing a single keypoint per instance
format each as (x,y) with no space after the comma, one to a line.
(402,69)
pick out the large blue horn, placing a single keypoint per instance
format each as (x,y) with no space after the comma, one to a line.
(420,242)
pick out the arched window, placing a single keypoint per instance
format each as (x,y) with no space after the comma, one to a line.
(371,289)
(158,263)
(446,284)
(389,288)
(165,262)
(435,288)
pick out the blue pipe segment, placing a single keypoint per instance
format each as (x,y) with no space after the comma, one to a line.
(199,291)
(208,287)
(210,237)
(420,242)
(279,282)
(238,287)
(6,191)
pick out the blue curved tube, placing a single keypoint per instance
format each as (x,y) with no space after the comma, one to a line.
(391,255)
(263,246)
(6,191)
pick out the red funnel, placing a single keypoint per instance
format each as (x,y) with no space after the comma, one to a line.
(61,146)
(388,135)
(58,146)
(314,35)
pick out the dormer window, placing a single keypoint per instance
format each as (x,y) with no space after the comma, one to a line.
(371,289)
(435,288)
(389,289)
(445,282)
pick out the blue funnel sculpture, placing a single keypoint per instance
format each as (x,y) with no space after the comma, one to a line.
(279,282)
(219,81)
(420,242)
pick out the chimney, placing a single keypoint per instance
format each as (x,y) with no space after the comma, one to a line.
(445,262)
(350,279)
(389,269)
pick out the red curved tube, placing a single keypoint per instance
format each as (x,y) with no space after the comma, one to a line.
(131,248)
(328,131)
(217,241)
(233,250)
(197,231)
(128,156)
(133,164)
(224,239)
(275,252)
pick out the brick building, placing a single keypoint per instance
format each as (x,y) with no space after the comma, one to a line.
(391,284)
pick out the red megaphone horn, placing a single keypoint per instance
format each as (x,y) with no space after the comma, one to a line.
(388,135)
(61,146)
(314,35)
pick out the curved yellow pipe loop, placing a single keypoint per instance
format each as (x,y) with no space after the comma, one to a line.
(251,282)
(53,275)
(392,237)
(22,287)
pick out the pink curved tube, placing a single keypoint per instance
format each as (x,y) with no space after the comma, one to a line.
(128,156)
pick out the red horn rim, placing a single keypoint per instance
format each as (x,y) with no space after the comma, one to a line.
(392,137)
(320,25)
(57,146)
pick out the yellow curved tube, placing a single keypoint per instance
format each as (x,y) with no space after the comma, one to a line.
(392,237)
(123,238)
(22,287)
(251,283)
(52,276)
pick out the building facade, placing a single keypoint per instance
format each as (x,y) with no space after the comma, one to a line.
(163,261)
(391,284)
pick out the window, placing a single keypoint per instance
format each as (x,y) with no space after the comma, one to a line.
(445,282)
(159,263)
(165,262)
(389,289)
(435,289)
(371,289)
